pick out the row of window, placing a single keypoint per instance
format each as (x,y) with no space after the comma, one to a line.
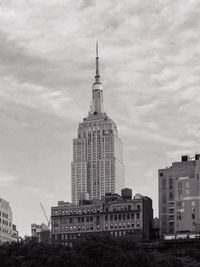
(90,227)
(111,217)
(5,230)
(5,222)
(74,236)
(3,214)
(93,210)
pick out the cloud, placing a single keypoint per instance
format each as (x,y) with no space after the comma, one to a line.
(149,66)
(6,179)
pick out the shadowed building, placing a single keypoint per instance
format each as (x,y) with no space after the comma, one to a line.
(40,232)
(115,215)
(97,166)
(179,196)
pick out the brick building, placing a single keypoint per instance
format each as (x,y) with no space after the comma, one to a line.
(179,193)
(114,215)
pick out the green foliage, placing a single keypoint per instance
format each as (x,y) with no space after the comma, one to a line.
(92,251)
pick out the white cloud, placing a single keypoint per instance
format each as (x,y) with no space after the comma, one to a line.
(149,53)
(6,179)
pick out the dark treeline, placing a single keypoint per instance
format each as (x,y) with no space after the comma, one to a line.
(93,251)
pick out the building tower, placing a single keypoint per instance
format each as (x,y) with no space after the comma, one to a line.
(97,167)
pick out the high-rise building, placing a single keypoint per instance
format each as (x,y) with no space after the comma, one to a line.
(97,166)
(179,196)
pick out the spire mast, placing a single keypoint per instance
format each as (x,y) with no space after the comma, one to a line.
(97,89)
(97,76)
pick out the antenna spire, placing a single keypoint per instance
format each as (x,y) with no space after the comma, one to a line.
(97,76)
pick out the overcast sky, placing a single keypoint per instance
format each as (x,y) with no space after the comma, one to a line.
(149,56)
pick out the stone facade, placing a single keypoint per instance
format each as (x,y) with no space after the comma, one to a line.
(114,215)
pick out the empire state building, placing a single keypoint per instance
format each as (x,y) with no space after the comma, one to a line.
(97,167)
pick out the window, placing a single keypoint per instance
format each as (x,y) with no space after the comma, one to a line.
(179,184)
(187,184)
(171,196)
(163,183)
(171,183)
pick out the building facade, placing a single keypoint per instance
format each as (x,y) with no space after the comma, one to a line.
(115,215)
(15,234)
(5,221)
(179,196)
(97,166)
(40,232)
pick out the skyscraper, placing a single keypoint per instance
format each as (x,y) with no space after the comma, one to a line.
(97,166)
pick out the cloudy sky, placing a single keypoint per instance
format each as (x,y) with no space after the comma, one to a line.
(149,53)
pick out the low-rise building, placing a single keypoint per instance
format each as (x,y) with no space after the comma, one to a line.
(5,221)
(15,234)
(40,232)
(114,215)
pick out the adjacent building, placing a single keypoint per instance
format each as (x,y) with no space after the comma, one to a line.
(40,232)
(179,196)
(15,234)
(97,167)
(6,229)
(115,215)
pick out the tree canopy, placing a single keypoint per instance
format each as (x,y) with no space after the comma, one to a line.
(92,251)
